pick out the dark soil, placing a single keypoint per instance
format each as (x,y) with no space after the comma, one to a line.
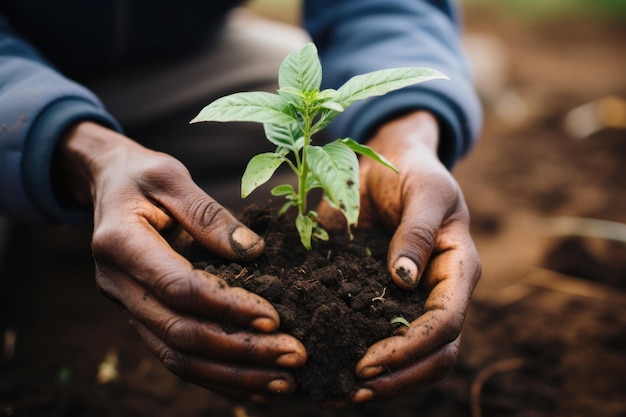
(338,299)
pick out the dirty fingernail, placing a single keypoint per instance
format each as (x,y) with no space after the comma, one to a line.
(279,386)
(406,270)
(362,395)
(264,324)
(289,360)
(245,239)
(371,371)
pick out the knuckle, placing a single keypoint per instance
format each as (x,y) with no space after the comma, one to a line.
(173,360)
(163,167)
(450,329)
(103,283)
(207,212)
(440,328)
(160,172)
(178,332)
(178,291)
(251,349)
(420,240)
(448,358)
(456,325)
(107,241)
(423,237)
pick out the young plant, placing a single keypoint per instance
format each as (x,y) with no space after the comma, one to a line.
(290,119)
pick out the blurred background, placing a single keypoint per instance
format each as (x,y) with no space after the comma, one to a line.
(546,333)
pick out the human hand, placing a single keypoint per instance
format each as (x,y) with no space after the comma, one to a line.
(145,204)
(431,247)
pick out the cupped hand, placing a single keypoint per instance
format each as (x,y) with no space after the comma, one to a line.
(145,203)
(430,248)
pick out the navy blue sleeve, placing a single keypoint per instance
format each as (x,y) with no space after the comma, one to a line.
(359,36)
(37,106)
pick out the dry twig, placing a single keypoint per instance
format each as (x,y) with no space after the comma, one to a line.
(506,365)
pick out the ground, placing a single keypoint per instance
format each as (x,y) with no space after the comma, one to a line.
(546,332)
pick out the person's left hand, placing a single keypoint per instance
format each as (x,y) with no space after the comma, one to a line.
(431,248)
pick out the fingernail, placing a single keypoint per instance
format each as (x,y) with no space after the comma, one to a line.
(406,270)
(362,395)
(371,371)
(279,386)
(289,360)
(244,241)
(264,324)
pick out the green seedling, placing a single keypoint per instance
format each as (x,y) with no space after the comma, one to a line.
(291,117)
(400,324)
(399,321)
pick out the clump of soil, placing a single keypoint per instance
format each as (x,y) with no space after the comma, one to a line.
(337,299)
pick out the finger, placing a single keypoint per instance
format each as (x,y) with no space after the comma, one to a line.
(205,338)
(419,234)
(204,218)
(133,247)
(411,247)
(452,276)
(423,372)
(232,378)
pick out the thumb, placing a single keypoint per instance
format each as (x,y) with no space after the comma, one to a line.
(207,221)
(216,228)
(409,250)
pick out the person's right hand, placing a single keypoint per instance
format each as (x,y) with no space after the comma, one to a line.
(145,203)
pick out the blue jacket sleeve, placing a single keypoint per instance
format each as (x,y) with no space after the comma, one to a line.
(37,106)
(358,36)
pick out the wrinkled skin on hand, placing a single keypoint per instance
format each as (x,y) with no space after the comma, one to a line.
(431,247)
(145,205)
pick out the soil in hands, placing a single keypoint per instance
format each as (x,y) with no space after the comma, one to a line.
(337,299)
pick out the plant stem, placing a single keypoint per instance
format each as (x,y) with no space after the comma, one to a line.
(304,171)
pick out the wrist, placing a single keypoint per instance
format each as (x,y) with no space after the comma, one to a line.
(76,158)
(417,130)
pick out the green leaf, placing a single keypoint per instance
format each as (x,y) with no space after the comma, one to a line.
(257,106)
(305,224)
(284,189)
(399,320)
(312,183)
(367,151)
(301,70)
(259,170)
(291,91)
(332,105)
(285,207)
(337,169)
(319,233)
(287,135)
(328,94)
(381,82)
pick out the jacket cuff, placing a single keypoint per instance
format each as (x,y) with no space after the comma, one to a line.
(46,131)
